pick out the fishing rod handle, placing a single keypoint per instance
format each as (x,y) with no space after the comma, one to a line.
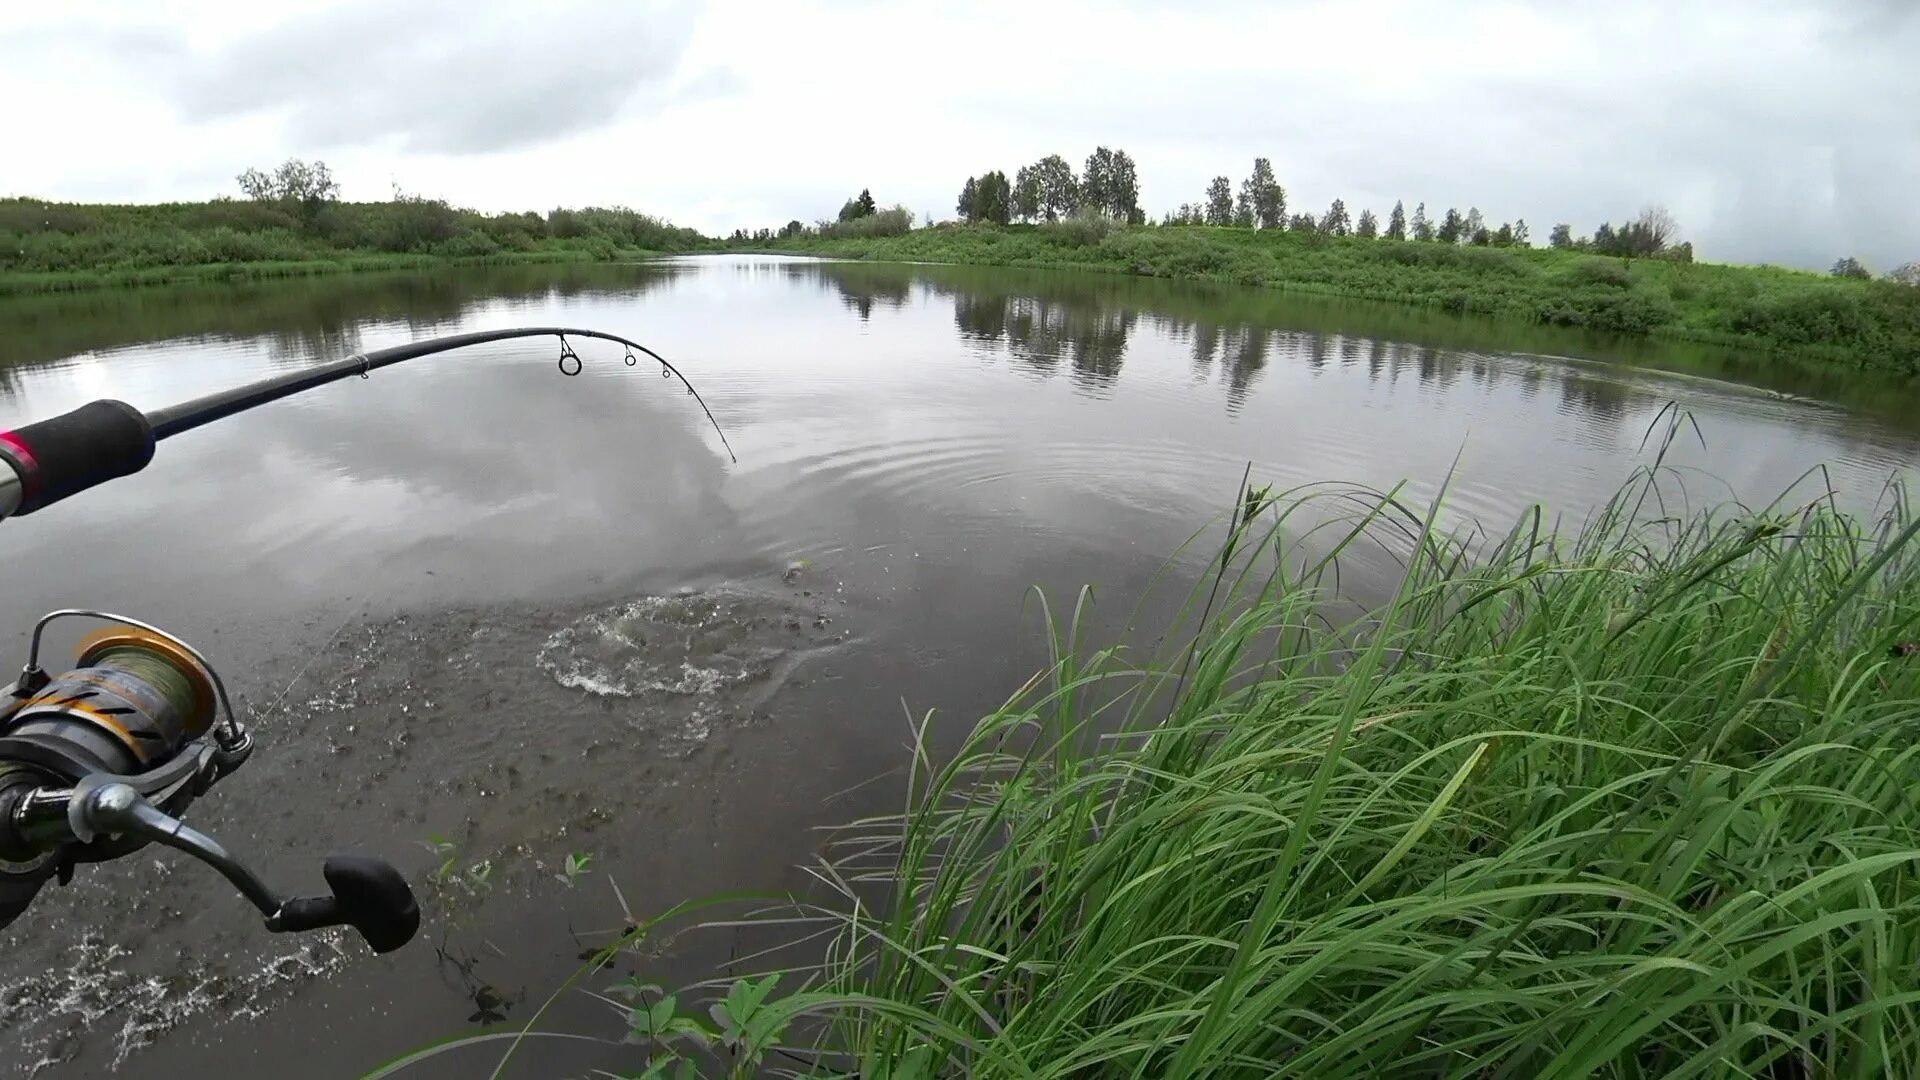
(51,459)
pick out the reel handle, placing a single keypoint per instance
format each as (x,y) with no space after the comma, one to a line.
(368,894)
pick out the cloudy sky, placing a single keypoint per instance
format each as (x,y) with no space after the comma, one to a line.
(1776,130)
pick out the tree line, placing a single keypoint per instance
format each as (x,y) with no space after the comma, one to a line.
(1049,190)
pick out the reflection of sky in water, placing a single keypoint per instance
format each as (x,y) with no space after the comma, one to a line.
(871,407)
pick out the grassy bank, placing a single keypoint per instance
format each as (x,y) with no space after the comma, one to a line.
(1634,800)
(52,247)
(1869,324)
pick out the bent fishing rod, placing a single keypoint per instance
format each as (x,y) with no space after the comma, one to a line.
(105,758)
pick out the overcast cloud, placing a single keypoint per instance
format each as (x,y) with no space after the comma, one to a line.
(1776,130)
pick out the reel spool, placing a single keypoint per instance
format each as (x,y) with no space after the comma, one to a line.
(135,698)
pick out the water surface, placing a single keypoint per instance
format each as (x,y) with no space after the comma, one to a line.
(474,599)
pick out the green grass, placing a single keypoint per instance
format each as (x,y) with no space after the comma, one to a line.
(1636,799)
(51,247)
(1868,324)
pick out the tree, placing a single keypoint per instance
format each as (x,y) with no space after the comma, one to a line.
(1368,226)
(791,229)
(969,203)
(993,198)
(1422,228)
(1654,229)
(1059,188)
(1397,222)
(1123,192)
(1473,222)
(1520,235)
(1561,236)
(1452,227)
(1096,181)
(1907,274)
(1603,239)
(1111,185)
(1243,212)
(859,206)
(1026,193)
(1851,267)
(1264,195)
(1336,222)
(1503,236)
(1480,237)
(1220,201)
(1305,223)
(304,188)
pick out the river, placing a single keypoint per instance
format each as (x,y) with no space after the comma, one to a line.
(528,615)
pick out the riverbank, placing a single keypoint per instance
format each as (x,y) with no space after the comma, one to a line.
(1866,324)
(31,284)
(1634,801)
(63,247)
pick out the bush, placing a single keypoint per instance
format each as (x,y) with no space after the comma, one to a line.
(1083,229)
(409,224)
(34,216)
(1597,271)
(469,244)
(894,221)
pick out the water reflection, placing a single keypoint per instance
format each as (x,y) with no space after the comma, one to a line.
(300,320)
(1043,317)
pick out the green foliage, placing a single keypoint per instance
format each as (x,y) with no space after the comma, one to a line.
(1864,323)
(1220,201)
(993,199)
(1422,228)
(1026,193)
(1264,196)
(1632,801)
(1397,222)
(1453,227)
(577,864)
(1059,188)
(1561,236)
(298,187)
(1851,267)
(1337,221)
(1368,227)
(113,242)
(1085,229)
(1591,271)
(1111,185)
(893,221)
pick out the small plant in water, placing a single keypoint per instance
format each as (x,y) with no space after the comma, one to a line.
(578,863)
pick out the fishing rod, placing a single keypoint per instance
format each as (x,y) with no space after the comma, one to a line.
(104,440)
(105,758)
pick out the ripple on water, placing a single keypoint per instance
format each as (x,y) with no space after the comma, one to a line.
(693,658)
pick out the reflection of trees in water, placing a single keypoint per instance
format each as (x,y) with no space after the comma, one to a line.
(984,317)
(1206,342)
(1349,350)
(302,319)
(1317,351)
(1247,348)
(1376,359)
(1081,324)
(1099,343)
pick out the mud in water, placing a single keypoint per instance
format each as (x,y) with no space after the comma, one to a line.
(472,747)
